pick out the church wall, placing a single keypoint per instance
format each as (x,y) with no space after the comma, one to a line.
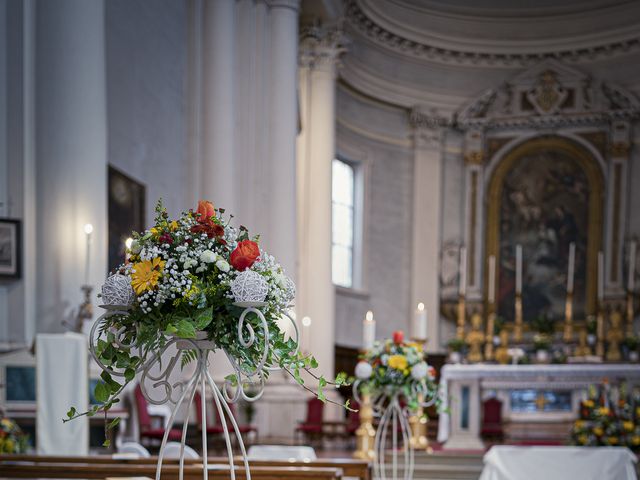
(388,165)
(147,57)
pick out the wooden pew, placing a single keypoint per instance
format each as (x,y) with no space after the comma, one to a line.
(351,468)
(169,472)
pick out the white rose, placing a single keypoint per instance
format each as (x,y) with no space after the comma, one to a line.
(281,280)
(363,370)
(222,265)
(419,371)
(208,256)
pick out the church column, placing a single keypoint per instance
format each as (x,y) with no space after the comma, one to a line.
(71,155)
(319,50)
(473,232)
(427,207)
(218,122)
(283,123)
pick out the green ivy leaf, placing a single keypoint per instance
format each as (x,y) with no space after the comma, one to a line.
(113,423)
(129,374)
(101,392)
(72,411)
(185,329)
(106,443)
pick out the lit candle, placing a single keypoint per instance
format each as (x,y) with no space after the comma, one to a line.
(304,340)
(600,277)
(518,268)
(492,279)
(631,281)
(463,271)
(420,323)
(572,265)
(368,330)
(88,230)
(127,251)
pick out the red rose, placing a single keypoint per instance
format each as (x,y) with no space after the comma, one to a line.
(206,210)
(245,255)
(211,229)
(398,337)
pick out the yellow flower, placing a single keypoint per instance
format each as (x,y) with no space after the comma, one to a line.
(8,445)
(603,411)
(628,425)
(398,362)
(588,403)
(173,226)
(598,431)
(579,424)
(582,439)
(145,275)
(154,231)
(613,440)
(635,440)
(6,423)
(415,345)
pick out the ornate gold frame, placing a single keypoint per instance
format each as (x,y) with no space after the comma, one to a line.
(596,199)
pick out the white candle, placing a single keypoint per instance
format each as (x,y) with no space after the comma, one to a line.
(88,230)
(600,277)
(518,268)
(631,281)
(304,340)
(368,331)
(492,279)
(420,323)
(572,266)
(463,271)
(127,250)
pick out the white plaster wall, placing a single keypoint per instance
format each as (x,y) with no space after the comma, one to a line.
(147,54)
(387,227)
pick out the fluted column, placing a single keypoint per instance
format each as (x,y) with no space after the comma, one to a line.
(282,123)
(71,155)
(319,50)
(427,201)
(218,180)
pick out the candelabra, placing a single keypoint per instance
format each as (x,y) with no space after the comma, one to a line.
(630,314)
(418,420)
(365,434)
(462,312)
(488,347)
(600,331)
(517,330)
(568,318)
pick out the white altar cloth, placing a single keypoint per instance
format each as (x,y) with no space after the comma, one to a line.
(559,463)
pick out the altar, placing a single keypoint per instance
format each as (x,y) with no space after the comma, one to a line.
(530,394)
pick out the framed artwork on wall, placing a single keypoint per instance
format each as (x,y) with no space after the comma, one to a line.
(127,203)
(10,248)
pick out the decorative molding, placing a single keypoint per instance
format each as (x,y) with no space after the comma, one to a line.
(359,20)
(427,128)
(549,95)
(320,46)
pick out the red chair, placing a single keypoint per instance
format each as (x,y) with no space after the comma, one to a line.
(217,428)
(312,426)
(147,431)
(492,418)
(353,418)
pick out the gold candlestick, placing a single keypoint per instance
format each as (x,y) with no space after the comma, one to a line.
(488,347)
(462,311)
(600,332)
(630,312)
(517,330)
(365,434)
(418,422)
(568,318)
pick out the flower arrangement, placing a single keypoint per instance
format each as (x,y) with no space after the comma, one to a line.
(395,367)
(192,278)
(12,440)
(607,422)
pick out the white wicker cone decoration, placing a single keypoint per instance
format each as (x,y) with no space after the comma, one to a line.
(289,290)
(117,291)
(249,286)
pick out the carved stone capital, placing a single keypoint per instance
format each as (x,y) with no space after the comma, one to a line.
(426,128)
(474,158)
(320,46)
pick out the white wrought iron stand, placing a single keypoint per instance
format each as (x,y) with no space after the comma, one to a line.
(200,379)
(387,407)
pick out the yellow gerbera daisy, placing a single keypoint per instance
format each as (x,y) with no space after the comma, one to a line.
(398,362)
(145,274)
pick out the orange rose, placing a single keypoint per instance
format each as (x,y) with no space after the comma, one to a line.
(206,210)
(245,255)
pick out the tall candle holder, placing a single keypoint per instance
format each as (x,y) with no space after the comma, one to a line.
(365,434)
(568,318)
(488,346)
(418,420)
(517,330)
(462,312)
(630,313)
